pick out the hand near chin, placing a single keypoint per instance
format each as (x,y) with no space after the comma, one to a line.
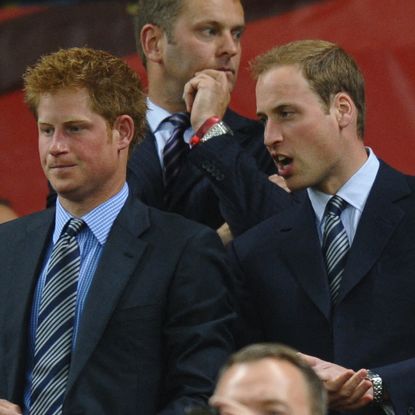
(206,95)
(279,181)
(347,389)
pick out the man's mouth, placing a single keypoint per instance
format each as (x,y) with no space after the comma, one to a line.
(60,166)
(284,165)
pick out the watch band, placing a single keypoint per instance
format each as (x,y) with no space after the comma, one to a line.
(219,128)
(377,387)
(206,125)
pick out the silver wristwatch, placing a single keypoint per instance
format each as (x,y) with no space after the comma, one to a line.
(219,128)
(377,387)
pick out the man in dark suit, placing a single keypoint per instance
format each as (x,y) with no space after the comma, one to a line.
(191,50)
(137,320)
(332,277)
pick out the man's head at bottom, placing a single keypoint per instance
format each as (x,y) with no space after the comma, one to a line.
(264,379)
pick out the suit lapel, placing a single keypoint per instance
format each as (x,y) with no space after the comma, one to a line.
(301,252)
(379,219)
(26,268)
(189,175)
(145,176)
(119,259)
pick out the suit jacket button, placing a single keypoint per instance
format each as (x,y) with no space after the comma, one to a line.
(411,410)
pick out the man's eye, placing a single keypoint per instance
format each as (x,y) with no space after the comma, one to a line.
(46,131)
(209,31)
(286,114)
(237,34)
(74,128)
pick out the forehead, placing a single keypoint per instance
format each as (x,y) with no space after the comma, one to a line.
(68,95)
(73,103)
(283,83)
(227,12)
(266,380)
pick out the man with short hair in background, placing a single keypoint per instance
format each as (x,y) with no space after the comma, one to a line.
(191,50)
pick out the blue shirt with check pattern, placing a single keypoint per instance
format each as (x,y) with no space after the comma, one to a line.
(91,240)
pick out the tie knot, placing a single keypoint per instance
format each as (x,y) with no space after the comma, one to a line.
(73,226)
(336,205)
(180,120)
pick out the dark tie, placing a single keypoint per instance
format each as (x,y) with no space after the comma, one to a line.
(53,340)
(175,150)
(335,244)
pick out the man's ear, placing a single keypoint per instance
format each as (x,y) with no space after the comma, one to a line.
(123,131)
(151,42)
(344,108)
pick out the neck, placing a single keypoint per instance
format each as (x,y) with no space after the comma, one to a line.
(79,205)
(350,163)
(166,93)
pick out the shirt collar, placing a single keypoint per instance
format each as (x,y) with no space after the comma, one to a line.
(355,191)
(155,115)
(98,220)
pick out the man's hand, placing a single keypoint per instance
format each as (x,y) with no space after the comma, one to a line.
(206,95)
(347,390)
(8,408)
(229,406)
(225,233)
(280,181)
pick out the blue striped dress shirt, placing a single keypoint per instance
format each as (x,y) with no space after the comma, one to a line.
(91,240)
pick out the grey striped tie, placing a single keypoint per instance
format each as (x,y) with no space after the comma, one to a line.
(175,151)
(335,244)
(53,340)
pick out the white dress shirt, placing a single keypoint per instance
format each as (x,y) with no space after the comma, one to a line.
(162,129)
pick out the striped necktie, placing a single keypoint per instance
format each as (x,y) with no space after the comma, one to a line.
(54,332)
(335,244)
(175,151)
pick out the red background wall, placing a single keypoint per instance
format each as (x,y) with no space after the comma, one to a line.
(378,33)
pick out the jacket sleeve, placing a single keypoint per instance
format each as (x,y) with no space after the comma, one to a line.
(246,195)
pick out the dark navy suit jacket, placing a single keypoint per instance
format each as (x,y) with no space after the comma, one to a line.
(156,322)
(283,293)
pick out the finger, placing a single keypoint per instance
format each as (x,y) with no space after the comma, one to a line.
(212,73)
(352,390)
(189,93)
(334,385)
(357,394)
(310,360)
(366,399)
(279,181)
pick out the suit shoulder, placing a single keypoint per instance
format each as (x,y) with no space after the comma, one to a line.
(23,222)
(396,183)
